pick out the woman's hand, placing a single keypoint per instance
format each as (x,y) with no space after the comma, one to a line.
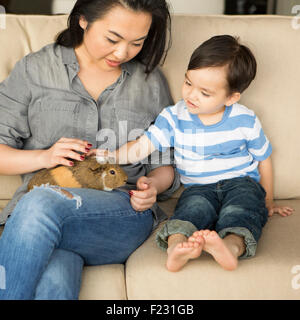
(62,149)
(145,196)
(273,208)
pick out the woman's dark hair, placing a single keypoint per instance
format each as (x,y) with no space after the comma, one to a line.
(156,45)
(226,50)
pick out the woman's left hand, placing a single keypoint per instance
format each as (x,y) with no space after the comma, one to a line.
(145,196)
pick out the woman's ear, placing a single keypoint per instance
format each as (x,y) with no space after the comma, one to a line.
(83,23)
(233,98)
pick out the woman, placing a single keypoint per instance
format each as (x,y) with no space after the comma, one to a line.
(99,76)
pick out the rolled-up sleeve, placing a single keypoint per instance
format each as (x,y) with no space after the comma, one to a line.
(15,97)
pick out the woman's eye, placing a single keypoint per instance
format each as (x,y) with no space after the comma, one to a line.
(188,83)
(205,94)
(112,41)
(137,44)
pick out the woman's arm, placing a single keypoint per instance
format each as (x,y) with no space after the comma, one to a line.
(14,161)
(266,173)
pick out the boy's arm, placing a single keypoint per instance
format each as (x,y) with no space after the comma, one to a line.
(266,173)
(131,152)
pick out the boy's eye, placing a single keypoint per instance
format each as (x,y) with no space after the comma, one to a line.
(187,83)
(205,94)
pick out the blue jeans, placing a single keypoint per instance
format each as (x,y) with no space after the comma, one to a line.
(229,206)
(50,235)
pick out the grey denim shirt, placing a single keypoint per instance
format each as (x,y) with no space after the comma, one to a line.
(43,100)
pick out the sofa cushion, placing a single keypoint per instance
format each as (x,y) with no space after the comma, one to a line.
(268,275)
(105,282)
(8,186)
(25,34)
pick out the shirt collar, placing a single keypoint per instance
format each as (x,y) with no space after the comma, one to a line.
(68,56)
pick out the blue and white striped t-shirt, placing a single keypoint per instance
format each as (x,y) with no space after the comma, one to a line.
(204,154)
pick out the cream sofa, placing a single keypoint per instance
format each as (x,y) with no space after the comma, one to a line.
(274,272)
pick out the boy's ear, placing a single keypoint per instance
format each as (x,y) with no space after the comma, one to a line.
(233,98)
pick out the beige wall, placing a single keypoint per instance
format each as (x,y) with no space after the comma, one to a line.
(198,6)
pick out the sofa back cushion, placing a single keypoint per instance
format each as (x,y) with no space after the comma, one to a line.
(274,94)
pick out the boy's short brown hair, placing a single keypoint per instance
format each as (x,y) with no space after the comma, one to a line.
(225,50)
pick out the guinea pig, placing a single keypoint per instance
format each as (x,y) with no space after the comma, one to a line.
(84,174)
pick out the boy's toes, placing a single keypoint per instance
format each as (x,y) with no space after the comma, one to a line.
(206,232)
(197,234)
(194,244)
(191,239)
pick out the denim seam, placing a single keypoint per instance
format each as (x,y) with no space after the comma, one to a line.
(92,215)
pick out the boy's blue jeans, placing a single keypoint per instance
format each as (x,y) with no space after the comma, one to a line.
(229,206)
(49,237)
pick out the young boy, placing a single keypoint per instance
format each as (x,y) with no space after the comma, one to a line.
(222,155)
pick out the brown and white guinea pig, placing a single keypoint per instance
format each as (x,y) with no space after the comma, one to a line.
(84,174)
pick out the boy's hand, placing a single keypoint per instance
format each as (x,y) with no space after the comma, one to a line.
(102,155)
(273,208)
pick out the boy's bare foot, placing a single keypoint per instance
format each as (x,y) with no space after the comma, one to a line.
(180,253)
(217,248)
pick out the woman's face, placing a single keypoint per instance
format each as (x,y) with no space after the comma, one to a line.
(115,38)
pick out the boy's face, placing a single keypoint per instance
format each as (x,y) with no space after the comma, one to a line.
(205,91)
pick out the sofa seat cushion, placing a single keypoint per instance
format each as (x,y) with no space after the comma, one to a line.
(105,282)
(268,275)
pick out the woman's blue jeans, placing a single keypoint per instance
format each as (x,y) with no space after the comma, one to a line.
(51,235)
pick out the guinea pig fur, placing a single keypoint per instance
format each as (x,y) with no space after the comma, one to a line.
(84,174)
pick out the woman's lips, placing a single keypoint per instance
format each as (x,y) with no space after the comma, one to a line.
(112,63)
